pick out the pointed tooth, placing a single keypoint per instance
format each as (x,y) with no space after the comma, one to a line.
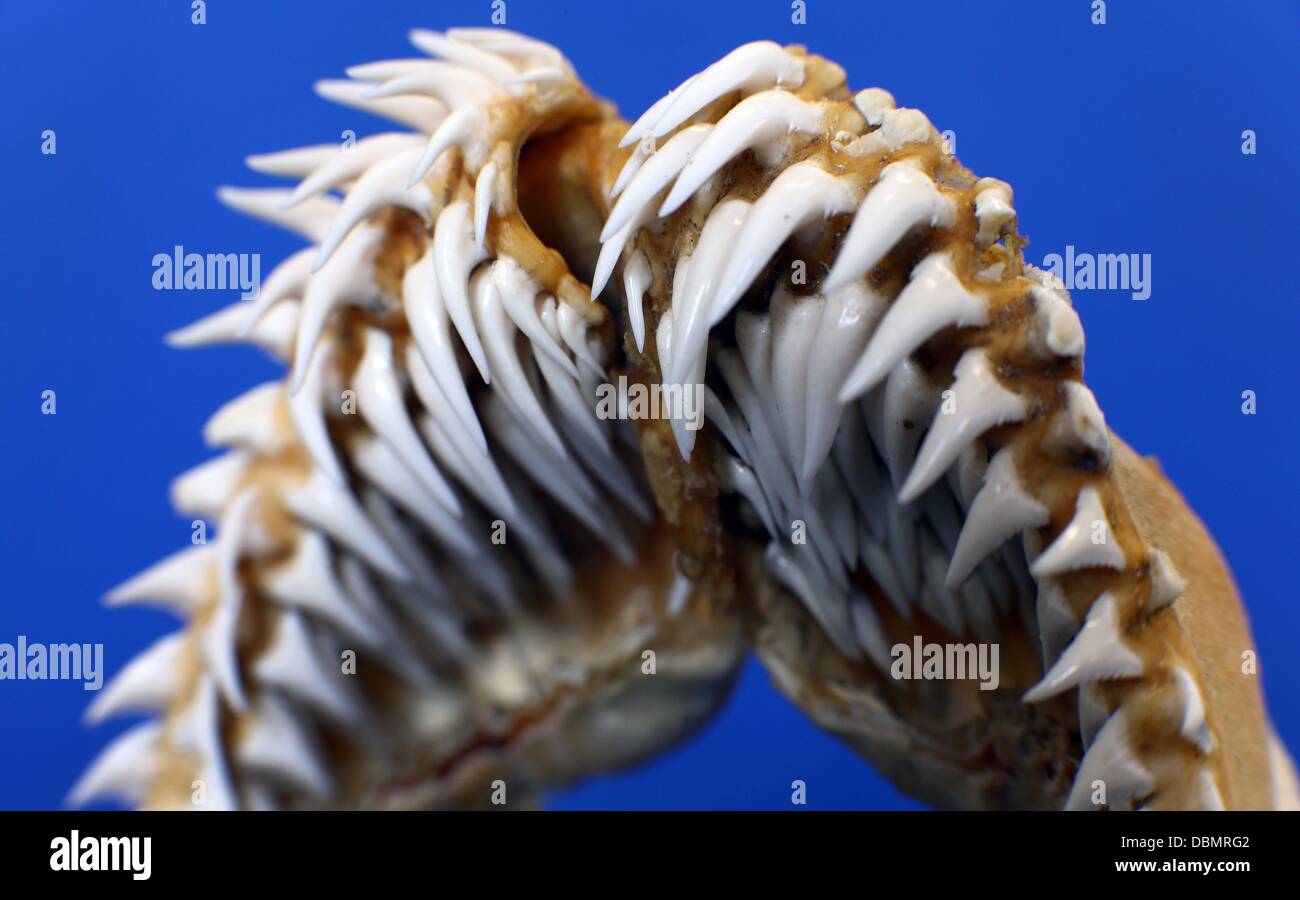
(757,122)
(205,489)
(1192,707)
(382,185)
(427,581)
(307,415)
(846,325)
(149,682)
(421,113)
(884,573)
(347,277)
(125,768)
(795,323)
(907,402)
(511,44)
(466,128)
(941,511)
(901,523)
(310,219)
(753,66)
(518,295)
(484,194)
(567,394)
(651,116)
(856,461)
(800,196)
(739,478)
(1097,653)
(933,299)
(251,421)
(1094,711)
(826,606)
(831,496)
(454,256)
(1057,623)
(307,581)
(323,504)
(289,279)
(1001,509)
(1078,427)
(1166,584)
(871,634)
(296,664)
(274,332)
(296,163)
(657,173)
(1111,760)
(574,329)
(636,278)
(981,403)
(382,403)
(454,86)
(612,249)
(903,199)
(218,642)
(426,316)
(436,44)
(352,162)
(633,165)
(1074,547)
(281,744)
(752,390)
(179,582)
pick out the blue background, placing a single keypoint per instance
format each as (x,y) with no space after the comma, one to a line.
(1117,138)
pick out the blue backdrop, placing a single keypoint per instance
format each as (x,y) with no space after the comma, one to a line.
(1118,138)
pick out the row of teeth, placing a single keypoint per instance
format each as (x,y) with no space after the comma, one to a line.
(426,466)
(824,392)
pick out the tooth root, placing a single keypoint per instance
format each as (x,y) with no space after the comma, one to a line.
(344,165)
(1094,711)
(763,119)
(148,683)
(753,66)
(1166,584)
(454,256)
(435,44)
(904,198)
(1057,624)
(484,195)
(123,769)
(980,402)
(652,177)
(795,323)
(347,277)
(288,279)
(1192,705)
(1111,761)
(307,581)
(422,113)
(636,278)
(324,505)
(651,116)
(311,219)
(250,421)
(1001,509)
(427,317)
(466,128)
(382,185)
(1097,653)
(279,745)
(801,195)
(181,582)
(294,664)
(908,401)
(1079,427)
(846,325)
(933,299)
(205,489)
(1086,542)
(296,163)
(382,404)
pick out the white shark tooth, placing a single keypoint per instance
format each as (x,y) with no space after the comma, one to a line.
(636,278)
(795,324)
(454,256)
(484,196)
(474,468)
(310,219)
(903,199)
(426,315)
(205,489)
(253,420)
(933,299)
(405,543)
(846,325)
(1167,585)
(633,165)
(651,116)
(295,664)
(907,401)
(873,103)
(347,277)
(281,744)
(740,479)
(756,122)
(125,768)
(1097,653)
(511,44)
(180,582)
(518,295)
(382,185)
(1057,623)
(422,113)
(754,339)
(993,210)
(1192,705)
(382,404)
(981,402)
(1086,542)
(307,581)
(657,173)
(568,395)
(1001,509)
(322,503)
(1094,712)
(379,465)
(307,415)
(452,85)
(612,249)
(870,632)
(274,332)
(1111,761)
(573,328)
(802,195)
(288,279)
(1208,796)
(1079,426)
(354,162)
(827,606)
(754,66)
(436,44)
(149,681)
(498,334)
(466,128)
(296,163)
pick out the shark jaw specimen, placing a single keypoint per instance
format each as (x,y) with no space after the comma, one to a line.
(440,579)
